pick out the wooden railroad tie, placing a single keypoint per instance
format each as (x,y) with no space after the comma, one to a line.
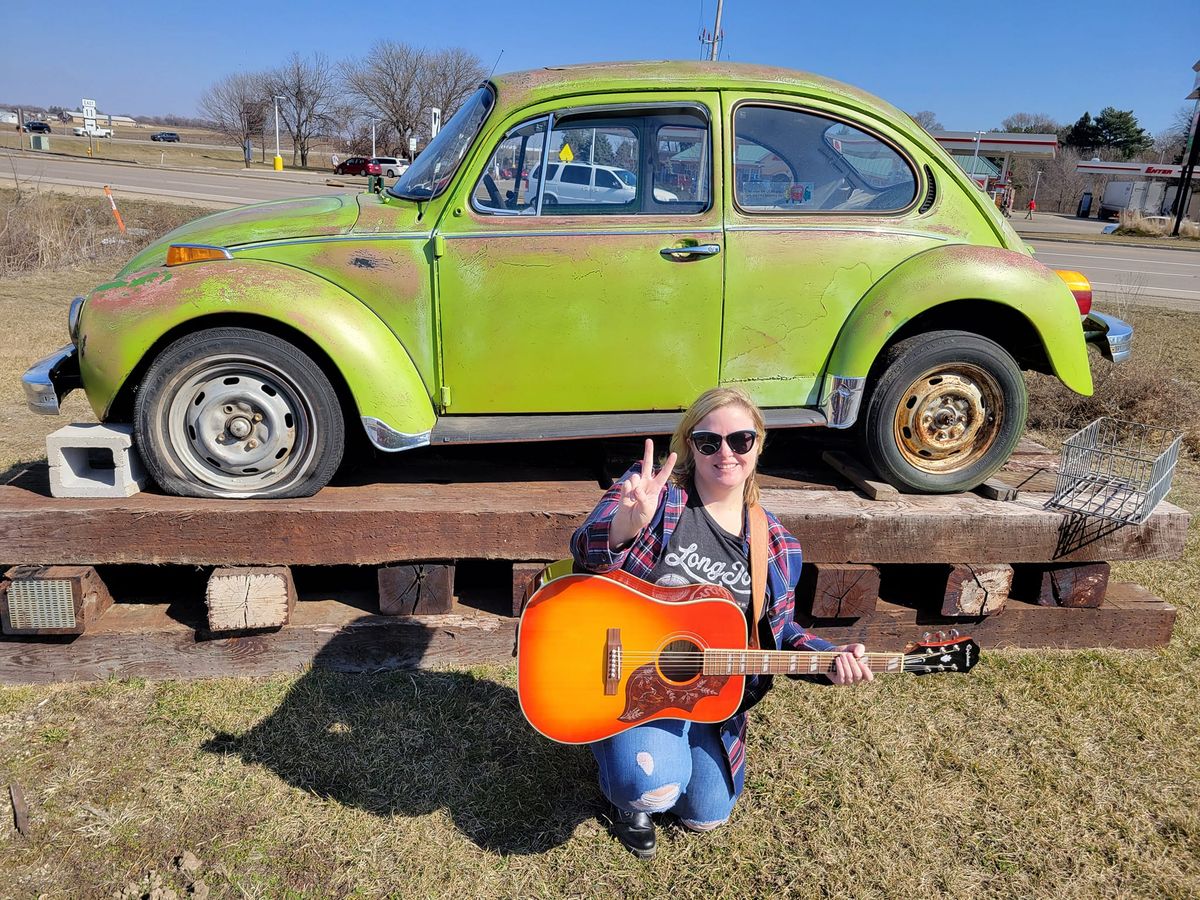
(250,598)
(850,468)
(953,590)
(838,590)
(522,574)
(423,589)
(1073,585)
(48,600)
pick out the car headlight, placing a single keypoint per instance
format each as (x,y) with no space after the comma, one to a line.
(73,319)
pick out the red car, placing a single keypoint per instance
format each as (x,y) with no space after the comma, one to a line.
(357,165)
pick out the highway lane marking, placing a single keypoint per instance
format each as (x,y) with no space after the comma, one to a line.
(1140,272)
(1148,291)
(1042,253)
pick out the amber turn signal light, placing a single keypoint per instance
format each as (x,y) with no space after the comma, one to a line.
(1080,287)
(179,254)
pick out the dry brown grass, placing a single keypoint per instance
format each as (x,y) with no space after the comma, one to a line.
(1134,223)
(1158,385)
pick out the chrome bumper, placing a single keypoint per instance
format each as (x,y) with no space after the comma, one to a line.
(1113,336)
(49,380)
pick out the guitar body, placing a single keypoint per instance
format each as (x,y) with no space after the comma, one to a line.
(599,654)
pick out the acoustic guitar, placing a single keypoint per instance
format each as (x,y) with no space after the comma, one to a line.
(599,654)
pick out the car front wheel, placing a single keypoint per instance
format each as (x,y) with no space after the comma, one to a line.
(945,414)
(232,412)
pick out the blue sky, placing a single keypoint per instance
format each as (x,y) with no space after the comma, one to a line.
(141,57)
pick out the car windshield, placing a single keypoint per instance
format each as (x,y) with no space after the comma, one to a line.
(626,176)
(431,171)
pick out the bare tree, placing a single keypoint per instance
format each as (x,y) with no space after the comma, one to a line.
(397,84)
(237,106)
(1030,123)
(308,89)
(928,120)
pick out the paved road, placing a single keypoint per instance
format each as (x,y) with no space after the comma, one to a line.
(228,187)
(1057,223)
(1167,278)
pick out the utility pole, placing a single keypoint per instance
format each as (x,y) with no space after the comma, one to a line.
(1036,182)
(975,158)
(278,159)
(713,40)
(1189,156)
(373,153)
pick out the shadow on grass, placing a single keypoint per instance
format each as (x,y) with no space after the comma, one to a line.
(408,743)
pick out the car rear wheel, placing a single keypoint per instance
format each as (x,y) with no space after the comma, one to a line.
(945,414)
(232,412)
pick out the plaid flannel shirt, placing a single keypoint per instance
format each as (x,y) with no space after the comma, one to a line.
(589,547)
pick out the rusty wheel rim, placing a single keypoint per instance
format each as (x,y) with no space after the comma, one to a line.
(949,417)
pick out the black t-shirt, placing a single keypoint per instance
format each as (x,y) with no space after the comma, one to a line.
(702,552)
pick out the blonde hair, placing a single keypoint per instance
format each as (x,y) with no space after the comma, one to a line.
(708,402)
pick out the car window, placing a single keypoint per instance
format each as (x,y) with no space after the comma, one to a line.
(575,175)
(788,160)
(682,171)
(504,188)
(606,179)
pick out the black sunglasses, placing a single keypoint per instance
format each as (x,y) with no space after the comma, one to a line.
(709,442)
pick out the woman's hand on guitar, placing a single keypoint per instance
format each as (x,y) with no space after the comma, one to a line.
(639,498)
(851,666)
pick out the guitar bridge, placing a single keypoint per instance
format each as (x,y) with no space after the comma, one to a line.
(612,661)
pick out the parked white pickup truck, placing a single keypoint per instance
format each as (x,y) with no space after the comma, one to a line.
(94,131)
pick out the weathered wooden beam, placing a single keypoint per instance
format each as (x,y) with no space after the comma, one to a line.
(49,600)
(145,641)
(837,590)
(859,475)
(996,489)
(249,598)
(380,524)
(977,590)
(1077,585)
(522,573)
(424,589)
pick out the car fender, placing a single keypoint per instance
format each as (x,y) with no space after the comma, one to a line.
(122,321)
(946,274)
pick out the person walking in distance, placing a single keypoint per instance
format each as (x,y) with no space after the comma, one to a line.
(1030,208)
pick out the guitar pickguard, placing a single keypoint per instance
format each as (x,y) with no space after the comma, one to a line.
(646,693)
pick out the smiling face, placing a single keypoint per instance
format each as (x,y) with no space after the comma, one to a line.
(725,470)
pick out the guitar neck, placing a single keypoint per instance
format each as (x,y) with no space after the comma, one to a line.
(791,662)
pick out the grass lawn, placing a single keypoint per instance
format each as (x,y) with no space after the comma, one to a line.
(1042,774)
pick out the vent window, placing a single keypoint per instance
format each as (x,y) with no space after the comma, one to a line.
(930,193)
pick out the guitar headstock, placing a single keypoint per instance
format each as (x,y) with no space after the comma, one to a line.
(941,651)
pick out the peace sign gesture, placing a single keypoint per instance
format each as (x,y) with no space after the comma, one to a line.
(639,498)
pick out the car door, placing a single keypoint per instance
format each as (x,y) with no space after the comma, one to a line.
(820,206)
(584,306)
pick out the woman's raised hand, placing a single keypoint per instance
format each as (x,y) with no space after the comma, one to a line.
(639,498)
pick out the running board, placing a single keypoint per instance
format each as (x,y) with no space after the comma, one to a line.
(499,429)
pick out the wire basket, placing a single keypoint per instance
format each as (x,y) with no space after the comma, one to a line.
(1116,470)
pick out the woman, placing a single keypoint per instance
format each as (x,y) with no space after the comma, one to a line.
(688,523)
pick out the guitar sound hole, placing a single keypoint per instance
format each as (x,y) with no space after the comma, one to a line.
(680,661)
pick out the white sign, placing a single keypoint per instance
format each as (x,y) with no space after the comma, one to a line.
(412,146)
(436,125)
(89,113)
(86,104)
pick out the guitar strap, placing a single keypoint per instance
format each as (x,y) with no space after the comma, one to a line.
(758,569)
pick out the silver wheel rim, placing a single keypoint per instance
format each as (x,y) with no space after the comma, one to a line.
(239,424)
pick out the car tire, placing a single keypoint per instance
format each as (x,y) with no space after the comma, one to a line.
(550,200)
(945,413)
(236,413)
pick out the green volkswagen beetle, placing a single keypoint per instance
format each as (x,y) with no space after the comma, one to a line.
(580,252)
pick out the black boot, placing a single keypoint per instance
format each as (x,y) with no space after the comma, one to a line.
(635,830)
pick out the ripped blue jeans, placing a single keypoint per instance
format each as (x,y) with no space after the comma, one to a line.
(668,765)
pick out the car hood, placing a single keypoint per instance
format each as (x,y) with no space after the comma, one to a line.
(300,217)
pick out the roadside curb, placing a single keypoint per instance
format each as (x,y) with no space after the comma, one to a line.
(1062,240)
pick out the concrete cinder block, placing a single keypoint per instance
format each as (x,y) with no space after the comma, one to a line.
(91,460)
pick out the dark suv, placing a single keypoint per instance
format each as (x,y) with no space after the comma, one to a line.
(37,127)
(169,136)
(357,165)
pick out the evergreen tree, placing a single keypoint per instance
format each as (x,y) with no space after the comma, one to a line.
(1084,136)
(1119,130)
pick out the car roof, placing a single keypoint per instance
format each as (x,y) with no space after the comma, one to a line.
(517,89)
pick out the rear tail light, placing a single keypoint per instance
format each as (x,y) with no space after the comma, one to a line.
(1080,287)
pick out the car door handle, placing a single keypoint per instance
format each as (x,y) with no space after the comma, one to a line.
(686,253)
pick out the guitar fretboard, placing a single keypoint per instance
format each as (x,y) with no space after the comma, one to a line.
(791,662)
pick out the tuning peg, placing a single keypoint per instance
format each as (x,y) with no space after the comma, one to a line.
(954,634)
(939,635)
(926,637)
